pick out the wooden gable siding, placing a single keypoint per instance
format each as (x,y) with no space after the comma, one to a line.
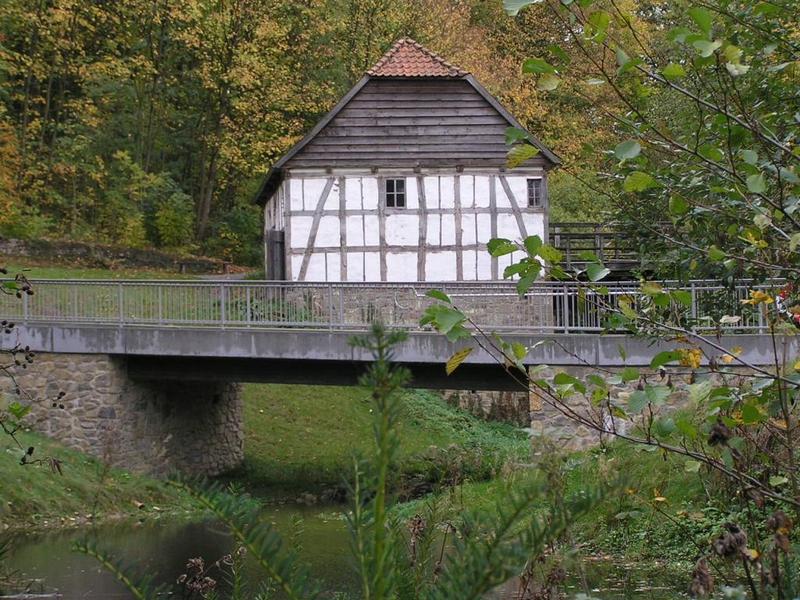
(409,123)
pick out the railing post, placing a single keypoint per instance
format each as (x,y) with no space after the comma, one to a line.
(222,304)
(564,307)
(24,308)
(120,304)
(693,293)
(247,302)
(160,305)
(330,307)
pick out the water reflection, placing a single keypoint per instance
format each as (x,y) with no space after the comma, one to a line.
(161,548)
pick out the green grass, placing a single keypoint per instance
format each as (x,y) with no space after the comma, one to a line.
(53,271)
(299,436)
(33,496)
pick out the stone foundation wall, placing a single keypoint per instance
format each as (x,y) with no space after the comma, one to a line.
(152,427)
(547,421)
(510,407)
(359,305)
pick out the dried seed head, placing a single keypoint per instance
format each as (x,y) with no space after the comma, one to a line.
(730,543)
(702,584)
(720,434)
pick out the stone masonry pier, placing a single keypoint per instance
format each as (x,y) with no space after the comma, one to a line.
(145,426)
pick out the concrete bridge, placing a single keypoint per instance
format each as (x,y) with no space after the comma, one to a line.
(152,366)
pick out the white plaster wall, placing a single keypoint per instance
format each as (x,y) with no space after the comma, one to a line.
(300,229)
(372,266)
(402,229)
(446,187)
(468,229)
(355,266)
(448,230)
(353,194)
(482,197)
(370,196)
(371,230)
(402,226)
(440,266)
(316,268)
(328,233)
(401,266)
(355,230)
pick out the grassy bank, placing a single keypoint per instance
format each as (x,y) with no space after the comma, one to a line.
(655,510)
(302,437)
(35,496)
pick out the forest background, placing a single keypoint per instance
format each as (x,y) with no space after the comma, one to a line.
(150,123)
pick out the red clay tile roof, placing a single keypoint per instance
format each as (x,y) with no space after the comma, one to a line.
(407,58)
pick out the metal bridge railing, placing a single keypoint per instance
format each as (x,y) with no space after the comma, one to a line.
(547,307)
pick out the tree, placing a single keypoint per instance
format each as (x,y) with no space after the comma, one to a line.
(709,136)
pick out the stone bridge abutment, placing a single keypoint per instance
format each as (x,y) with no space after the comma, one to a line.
(147,426)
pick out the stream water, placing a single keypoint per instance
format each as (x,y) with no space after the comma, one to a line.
(161,549)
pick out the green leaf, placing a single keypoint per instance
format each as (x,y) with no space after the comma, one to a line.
(637,401)
(548,82)
(444,318)
(692,466)
(599,21)
(638,181)
(629,374)
(715,254)
(749,156)
(455,361)
(439,295)
(663,358)
(778,480)
(514,6)
(519,154)
(515,134)
(673,71)
(698,392)
(705,48)
(525,283)
(596,272)
(559,53)
(794,241)
(711,153)
(501,247)
(751,414)
(627,150)
(538,66)
(622,58)
(756,184)
(682,296)
(18,411)
(678,205)
(564,379)
(532,245)
(550,255)
(702,18)
(519,350)
(657,394)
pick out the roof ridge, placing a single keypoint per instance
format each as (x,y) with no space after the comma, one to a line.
(408,67)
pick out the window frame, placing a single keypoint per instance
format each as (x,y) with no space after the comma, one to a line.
(398,198)
(539,196)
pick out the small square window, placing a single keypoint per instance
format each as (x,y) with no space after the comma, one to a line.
(395,193)
(535,193)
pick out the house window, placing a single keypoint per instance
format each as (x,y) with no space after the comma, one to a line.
(395,193)
(535,193)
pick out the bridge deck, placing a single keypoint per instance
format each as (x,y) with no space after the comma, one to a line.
(299,333)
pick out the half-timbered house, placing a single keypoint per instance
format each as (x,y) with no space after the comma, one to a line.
(404,180)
